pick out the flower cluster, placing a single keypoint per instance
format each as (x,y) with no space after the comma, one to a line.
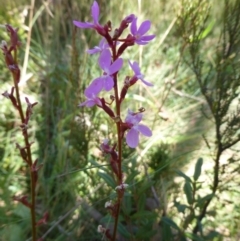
(110,50)
(110,63)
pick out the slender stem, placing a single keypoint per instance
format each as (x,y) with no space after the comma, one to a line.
(118,125)
(29,155)
(215,180)
(33,205)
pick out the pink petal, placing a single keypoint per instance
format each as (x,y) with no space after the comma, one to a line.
(108,83)
(148,37)
(133,27)
(94,88)
(144,130)
(145,26)
(140,42)
(88,103)
(136,68)
(138,117)
(116,66)
(95,12)
(132,138)
(105,60)
(130,117)
(83,25)
(94,50)
(146,82)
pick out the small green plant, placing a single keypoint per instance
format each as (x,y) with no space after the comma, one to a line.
(219,82)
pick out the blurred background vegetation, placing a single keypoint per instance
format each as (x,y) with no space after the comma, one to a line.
(75,181)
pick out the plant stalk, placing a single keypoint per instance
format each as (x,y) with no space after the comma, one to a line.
(29,154)
(118,125)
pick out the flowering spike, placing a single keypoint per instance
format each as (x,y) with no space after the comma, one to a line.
(110,62)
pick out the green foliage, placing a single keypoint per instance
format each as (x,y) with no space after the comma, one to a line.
(198,169)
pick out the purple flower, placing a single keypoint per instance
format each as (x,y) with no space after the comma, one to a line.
(129,18)
(98,49)
(139,33)
(106,81)
(132,137)
(92,100)
(138,74)
(95,16)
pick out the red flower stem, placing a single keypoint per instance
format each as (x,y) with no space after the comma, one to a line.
(29,154)
(118,124)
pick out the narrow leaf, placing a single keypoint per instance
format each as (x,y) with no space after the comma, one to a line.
(108,179)
(170,222)
(181,174)
(123,231)
(145,234)
(198,169)
(188,192)
(143,215)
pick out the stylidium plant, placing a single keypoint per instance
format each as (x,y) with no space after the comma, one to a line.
(25,111)
(110,48)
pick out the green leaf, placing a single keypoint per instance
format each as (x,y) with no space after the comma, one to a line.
(188,192)
(123,231)
(144,186)
(207,30)
(132,176)
(107,178)
(145,234)
(211,235)
(180,207)
(167,234)
(204,33)
(127,204)
(141,202)
(144,215)
(201,200)
(181,174)
(198,169)
(194,237)
(170,223)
